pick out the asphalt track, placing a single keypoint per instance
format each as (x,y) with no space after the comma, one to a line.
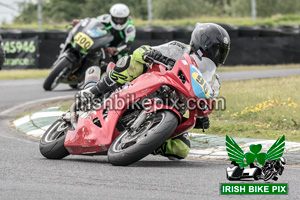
(25,174)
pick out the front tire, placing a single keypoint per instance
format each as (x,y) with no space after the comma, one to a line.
(269,175)
(54,77)
(52,142)
(129,147)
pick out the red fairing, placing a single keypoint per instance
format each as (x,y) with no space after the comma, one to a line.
(91,138)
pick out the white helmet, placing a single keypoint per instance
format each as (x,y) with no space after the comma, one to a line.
(119,16)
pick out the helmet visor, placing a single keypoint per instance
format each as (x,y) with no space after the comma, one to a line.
(118,20)
(217,53)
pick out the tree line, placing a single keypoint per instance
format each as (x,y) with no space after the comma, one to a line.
(54,11)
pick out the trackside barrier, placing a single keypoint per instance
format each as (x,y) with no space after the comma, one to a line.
(249,45)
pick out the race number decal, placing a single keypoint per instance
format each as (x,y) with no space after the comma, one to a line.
(83,40)
(200,87)
(200,80)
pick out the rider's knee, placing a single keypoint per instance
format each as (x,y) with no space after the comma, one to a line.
(178,147)
(122,64)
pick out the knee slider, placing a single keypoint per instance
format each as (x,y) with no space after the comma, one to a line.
(122,64)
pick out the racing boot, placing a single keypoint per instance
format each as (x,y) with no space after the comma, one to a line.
(103,86)
(176,148)
(85,99)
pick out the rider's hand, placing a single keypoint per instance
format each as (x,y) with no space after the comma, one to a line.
(75,22)
(111,51)
(152,54)
(84,99)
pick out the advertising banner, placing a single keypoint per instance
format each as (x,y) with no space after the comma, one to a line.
(21,53)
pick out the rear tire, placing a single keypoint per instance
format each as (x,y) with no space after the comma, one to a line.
(52,142)
(52,79)
(153,136)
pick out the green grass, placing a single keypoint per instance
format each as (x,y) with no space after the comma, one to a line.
(42,73)
(264,108)
(239,21)
(256,67)
(66,105)
(23,74)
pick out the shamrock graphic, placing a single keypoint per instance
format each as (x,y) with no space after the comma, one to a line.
(236,154)
(255,149)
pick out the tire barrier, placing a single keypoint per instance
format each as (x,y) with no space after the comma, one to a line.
(249,45)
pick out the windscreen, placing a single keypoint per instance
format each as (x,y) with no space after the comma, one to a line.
(208,69)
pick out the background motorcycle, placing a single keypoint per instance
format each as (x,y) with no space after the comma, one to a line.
(84,47)
(125,133)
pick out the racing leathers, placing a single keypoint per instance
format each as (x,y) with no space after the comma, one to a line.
(120,46)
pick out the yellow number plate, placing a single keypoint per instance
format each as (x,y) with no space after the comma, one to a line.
(200,80)
(83,40)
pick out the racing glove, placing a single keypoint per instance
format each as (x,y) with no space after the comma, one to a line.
(151,55)
(111,51)
(75,22)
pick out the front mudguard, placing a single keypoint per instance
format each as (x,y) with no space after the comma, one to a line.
(154,107)
(68,55)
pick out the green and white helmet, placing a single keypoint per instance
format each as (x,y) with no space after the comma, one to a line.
(119,16)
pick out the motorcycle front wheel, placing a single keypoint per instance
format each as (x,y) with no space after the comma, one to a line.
(129,146)
(52,142)
(55,76)
(268,175)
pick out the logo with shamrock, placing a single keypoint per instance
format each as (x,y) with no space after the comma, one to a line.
(237,155)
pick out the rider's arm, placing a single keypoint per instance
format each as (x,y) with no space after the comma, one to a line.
(128,38)
(146,54)
(139,53)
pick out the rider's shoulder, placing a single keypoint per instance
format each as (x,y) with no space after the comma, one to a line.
(130,28)
(178,44)
(105,18)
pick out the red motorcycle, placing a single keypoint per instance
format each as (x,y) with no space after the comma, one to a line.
(156,106)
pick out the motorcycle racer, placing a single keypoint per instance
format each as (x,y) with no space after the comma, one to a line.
(208,40)
(122,28)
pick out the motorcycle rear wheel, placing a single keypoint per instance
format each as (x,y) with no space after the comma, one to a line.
(54,77)
(52,142)
(129,147)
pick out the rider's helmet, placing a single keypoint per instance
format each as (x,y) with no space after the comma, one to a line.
(283,160)
(119,16)
(212,41)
